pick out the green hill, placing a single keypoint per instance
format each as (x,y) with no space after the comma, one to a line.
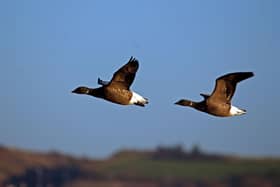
(160,167)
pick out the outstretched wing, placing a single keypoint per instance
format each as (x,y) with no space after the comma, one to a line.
(102,82)
(226,85)
(124,77)
(205,96)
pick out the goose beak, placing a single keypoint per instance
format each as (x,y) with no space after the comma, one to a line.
(74,91)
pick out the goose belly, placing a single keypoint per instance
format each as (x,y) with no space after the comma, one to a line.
(119,96)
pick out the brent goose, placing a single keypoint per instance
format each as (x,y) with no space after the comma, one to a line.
(219,102)
(117,90)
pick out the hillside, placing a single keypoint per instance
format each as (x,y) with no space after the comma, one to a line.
(165,166)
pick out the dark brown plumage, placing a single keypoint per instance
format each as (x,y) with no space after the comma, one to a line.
(118,89)
(219,102)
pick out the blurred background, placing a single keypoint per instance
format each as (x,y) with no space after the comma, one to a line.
(48,48)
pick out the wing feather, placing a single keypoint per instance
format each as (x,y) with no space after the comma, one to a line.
(226,85)
(124,77)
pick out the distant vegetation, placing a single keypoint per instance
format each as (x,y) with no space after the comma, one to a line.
(178,153)
(162,167)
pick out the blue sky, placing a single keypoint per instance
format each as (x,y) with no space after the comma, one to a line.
(48,48)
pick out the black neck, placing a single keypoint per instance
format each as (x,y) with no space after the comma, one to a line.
(199,105)
(96,92)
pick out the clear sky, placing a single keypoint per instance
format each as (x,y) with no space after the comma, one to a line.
(47,48)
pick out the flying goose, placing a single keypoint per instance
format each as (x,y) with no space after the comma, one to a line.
(219,102)
(117,90)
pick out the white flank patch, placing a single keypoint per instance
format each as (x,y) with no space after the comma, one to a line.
(234,111)
(136,98)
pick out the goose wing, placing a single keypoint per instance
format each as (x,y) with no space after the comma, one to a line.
(124,77)
(226,85)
